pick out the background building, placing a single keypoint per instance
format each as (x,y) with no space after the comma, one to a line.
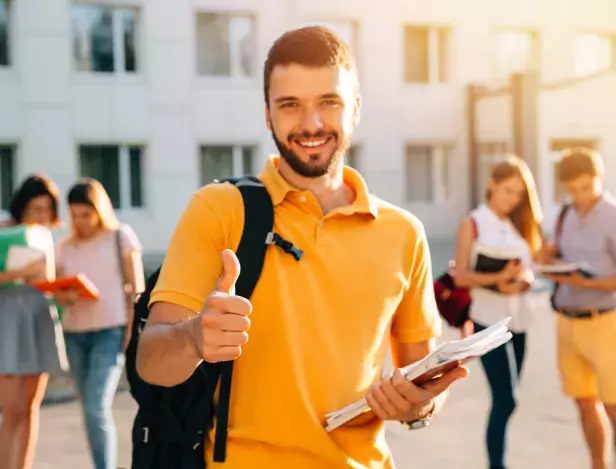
(157,97)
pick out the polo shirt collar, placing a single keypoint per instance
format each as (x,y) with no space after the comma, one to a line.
(278,187)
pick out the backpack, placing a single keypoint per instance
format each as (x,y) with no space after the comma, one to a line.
(172,423)
(453,303)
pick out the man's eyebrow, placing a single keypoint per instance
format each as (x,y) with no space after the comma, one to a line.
(331,96)
(283,99)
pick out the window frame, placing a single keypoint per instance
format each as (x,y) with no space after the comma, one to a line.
(533,61)
(237,159)
(124,170)
(233,75)
(609,35)
(436,63)
(10,46)
(439,171)
(15,172)
(118,40)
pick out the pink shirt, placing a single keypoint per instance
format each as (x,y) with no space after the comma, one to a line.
(99,260)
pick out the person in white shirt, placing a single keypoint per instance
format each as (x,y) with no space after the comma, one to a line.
(509,219)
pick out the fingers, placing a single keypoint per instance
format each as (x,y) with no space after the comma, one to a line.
(226,322)
(230,273)
(223,303)
(440,385)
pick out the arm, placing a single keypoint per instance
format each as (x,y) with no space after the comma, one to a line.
(414,328)
(167,354)
(464,276)
(133,271)
(406,354)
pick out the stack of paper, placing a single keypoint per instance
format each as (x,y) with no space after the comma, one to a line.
(444,358)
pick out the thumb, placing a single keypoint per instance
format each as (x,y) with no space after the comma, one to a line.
(230,273)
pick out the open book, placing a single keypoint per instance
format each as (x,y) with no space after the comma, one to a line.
(566,268)
(492,259)
(446,357)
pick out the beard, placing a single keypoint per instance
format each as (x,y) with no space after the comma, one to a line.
(313,168)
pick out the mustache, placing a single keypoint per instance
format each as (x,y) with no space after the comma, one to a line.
(319,134)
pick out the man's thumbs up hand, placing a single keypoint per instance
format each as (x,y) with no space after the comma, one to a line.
(220,330)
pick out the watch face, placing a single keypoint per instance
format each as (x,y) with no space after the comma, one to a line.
(417,424)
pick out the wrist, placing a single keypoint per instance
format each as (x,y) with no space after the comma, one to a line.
(188,329)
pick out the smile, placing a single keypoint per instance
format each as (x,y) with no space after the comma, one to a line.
(311,143)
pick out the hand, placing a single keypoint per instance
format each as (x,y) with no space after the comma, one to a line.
(574,279)
(395,398)
(219,332)
(467,329)
(512,270)
(509,288)
(67,297)
(34,270)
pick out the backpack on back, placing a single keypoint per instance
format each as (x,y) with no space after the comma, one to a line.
(172,423)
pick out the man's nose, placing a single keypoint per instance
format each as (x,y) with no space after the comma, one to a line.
(311,121)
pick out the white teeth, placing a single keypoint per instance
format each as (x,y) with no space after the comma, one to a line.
(311,144)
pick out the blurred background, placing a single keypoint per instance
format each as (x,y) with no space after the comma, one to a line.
(156,98)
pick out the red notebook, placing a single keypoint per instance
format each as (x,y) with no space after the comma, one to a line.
(85,288)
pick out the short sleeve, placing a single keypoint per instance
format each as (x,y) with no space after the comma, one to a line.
(212,222)
(417,318)
(129,241)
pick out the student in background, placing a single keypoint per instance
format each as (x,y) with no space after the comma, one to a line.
(31,344)
(97,331)
(586,320)
(509,218)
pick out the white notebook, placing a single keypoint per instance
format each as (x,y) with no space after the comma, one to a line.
(19,257)
(447,356)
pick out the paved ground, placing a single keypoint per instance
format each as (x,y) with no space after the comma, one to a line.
(544,431)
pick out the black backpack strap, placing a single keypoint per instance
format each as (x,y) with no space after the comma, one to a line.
(258,223)
(558,231)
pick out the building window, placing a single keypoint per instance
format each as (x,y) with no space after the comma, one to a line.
(226,161)
(515,51)
(594,53)
(428,173)
(426,54)
(105,38)
(7,175)
(119,169)
(225,45)
(5,59)
(347,30)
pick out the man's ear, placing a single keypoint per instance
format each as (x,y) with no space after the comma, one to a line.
(357,111)
(268,119)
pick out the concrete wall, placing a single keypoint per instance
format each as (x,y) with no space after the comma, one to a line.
(47,109)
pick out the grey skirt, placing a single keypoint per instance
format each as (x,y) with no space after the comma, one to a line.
(31,340)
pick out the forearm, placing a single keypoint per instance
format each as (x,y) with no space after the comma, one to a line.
(601,283)
(167,355)
(6,277)
(472,279)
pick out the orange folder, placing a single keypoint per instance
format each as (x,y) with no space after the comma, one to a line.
(85,288)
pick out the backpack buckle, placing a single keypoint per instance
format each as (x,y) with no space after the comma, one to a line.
(275,238)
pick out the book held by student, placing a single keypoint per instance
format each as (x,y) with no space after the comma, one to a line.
(446,357)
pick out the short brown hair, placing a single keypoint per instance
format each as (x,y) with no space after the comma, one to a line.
(310,46)
(578,161)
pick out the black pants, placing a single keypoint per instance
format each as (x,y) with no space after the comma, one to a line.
(502,367)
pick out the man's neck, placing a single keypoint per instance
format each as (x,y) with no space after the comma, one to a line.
(330,190)
(583,211)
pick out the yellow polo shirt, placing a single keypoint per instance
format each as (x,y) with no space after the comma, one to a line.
(320,327)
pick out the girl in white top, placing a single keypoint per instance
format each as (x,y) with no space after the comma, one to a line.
(509,220)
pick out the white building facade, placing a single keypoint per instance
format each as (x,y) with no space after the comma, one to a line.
(157,97)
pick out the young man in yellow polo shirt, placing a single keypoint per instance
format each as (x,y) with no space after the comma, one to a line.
(587,306)
(319,329)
